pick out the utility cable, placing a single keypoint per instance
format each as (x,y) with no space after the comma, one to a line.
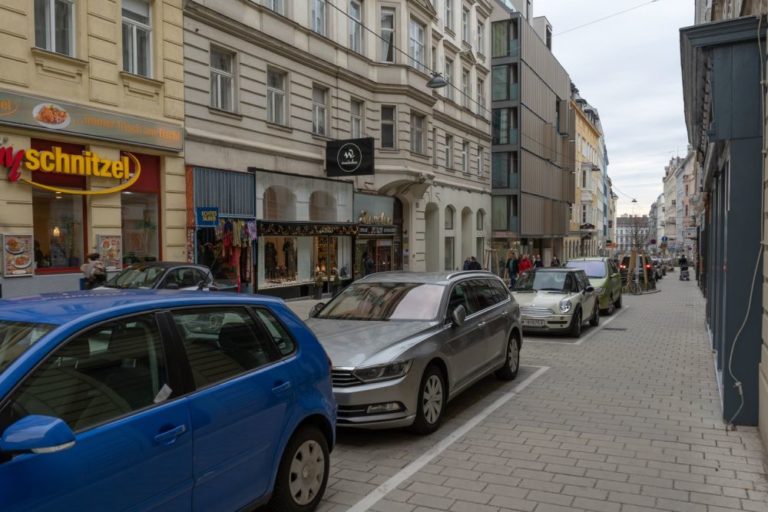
(605,18)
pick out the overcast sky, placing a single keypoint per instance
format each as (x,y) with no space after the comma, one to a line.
(628,67)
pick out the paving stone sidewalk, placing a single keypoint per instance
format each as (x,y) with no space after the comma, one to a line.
(628,421)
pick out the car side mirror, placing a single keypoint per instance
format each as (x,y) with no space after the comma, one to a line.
(37,434)
(171,286)
(316,309)
(458,315)
(590,289)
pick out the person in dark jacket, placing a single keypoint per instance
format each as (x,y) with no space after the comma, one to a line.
(474,264)
(537,261)
(512,265)
(467,264)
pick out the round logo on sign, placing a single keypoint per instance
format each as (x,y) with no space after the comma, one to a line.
(349,157)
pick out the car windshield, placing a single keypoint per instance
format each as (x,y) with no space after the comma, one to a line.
(542,281)
(136,277)
(385,301)
(17,337)
(592,268)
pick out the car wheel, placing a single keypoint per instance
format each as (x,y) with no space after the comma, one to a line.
(512,361)
(617,302)
(303,472)
(431,401)
(575,329)
(595,320)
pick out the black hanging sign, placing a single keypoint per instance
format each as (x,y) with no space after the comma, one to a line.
(353,157)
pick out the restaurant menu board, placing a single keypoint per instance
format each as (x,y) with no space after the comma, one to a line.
(110,251)
(18,256)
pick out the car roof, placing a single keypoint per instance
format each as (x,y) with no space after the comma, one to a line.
(166,264)
(550,270)
(590,258)
(442,278)
(64,307)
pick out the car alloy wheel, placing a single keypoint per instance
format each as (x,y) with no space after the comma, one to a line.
(305,477)
(512,362)
(431,401)
(576,321)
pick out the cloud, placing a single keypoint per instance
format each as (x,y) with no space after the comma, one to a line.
(628,67)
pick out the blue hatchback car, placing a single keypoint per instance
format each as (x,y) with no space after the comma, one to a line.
(154,400)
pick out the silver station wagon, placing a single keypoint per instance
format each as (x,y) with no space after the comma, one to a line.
(403,344)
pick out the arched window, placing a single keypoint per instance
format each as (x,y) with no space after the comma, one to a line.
(322,207)
(480,220)
(450,213)
(279,204)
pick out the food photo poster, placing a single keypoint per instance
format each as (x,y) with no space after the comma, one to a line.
(110,249)
(18,256)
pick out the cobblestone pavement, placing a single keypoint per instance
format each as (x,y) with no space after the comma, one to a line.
(627,420)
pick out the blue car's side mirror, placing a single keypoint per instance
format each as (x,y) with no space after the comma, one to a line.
(37,434)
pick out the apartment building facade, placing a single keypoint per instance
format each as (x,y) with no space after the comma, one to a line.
(275,90)
(670,204)
(533,133)
(91,132)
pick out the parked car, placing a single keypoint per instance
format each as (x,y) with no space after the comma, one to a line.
(403,344)
(604,278)
(643,268)
(556,300)
(152,400)
(168,275)
(659,269)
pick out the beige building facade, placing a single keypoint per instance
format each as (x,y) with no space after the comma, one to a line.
(85,82)
(271,86)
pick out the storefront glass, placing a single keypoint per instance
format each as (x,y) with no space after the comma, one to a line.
(379,234)
(58,231)
(141,241)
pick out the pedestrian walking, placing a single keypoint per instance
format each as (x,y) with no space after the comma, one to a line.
(537,261)
(555,262)
(94,271)
(368,265)
(467,264)
(512,267)
(525,264)
(474,264)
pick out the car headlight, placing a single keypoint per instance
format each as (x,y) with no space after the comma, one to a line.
(383,371)
(565,306)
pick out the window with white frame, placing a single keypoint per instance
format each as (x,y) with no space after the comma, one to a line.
(466,88)
(416,35)
(137,37)
(222,79)
(356,115)
(319,110)
(480,160)
(449,14)
(418,123)
(465,24)
(449,78)
(388,127)
(55,26)
(318,21)
(448,151)
(465,156)
(481,96)
(481,38)
(276,5)
(387,29)
(276,93)
(356,26)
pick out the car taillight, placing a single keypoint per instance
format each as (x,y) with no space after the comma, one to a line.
(647,266)
(622,266)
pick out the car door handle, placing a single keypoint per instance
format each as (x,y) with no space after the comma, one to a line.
(169,436)
(505,313)
(281,387)
(482,324)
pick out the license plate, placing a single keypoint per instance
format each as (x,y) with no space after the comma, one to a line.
(534,323)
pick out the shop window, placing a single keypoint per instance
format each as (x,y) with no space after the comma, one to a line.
(58,219)
(140,214)
(54,26)
(322,207)
(450,243)
(137,37)
(279,204)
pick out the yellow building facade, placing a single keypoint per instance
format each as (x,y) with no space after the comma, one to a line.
(584,222)
(87,89)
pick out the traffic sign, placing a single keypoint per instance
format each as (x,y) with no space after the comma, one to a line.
(664,239)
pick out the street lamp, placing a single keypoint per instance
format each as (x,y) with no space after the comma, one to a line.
(437,81)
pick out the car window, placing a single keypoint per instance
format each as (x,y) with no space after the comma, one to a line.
(184,277)
(105,373)
(502,292)
(460,297)
(381,301)
(199,276)
(593,268)
(571,283)
(583,281)
(483,292)
(222,343)
(277,332)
